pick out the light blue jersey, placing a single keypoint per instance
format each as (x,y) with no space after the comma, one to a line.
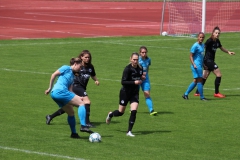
(60,92)
(145,63)
(65,79)
(198,53)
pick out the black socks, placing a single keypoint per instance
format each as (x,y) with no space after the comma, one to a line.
(217,84)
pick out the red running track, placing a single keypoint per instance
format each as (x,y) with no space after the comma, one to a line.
(24,19)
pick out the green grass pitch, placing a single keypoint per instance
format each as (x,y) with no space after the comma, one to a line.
(186,130)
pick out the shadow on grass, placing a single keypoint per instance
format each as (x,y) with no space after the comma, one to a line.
(146,132)
(104,123)
(159,113)
(232,95)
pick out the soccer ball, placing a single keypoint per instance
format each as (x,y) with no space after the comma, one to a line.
(95,137)
(164,33)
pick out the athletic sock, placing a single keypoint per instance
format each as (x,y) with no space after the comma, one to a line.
(190,88)
(82,115)
(149,103)
(217,84)
(87,107)
(115,113)
(200,89)
(203,82)
(132,119)
(57,113)
(72,123)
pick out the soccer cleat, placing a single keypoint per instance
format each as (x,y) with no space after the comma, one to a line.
(108,119)
(219,95)
(196,94)
(129,133)
(153,113)
(203,99)
(75,135)
(90,125)
(185,97)
(48,119)
(85,129)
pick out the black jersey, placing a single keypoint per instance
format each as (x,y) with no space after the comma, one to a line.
(210,48)
(130,74)
(82,77)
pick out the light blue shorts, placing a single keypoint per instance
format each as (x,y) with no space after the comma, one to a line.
(146,85)
(197,72)
(62,97)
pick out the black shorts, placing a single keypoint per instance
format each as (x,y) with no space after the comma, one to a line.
(211,65)
(79,90)
(125,97)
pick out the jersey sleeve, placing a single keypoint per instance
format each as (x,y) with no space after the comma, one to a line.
(220,45)
(126,79)
(193,48)
(63,69)
(93,73)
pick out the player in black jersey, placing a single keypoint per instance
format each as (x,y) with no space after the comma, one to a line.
(131,79)
(81,80)
(80,85)
(211,46)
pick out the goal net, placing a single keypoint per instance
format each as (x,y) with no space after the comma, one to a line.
(189,17)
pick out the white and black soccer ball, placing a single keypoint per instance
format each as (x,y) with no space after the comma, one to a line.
(164,33)
(95,137)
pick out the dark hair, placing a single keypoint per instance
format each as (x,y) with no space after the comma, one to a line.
(143,47)
(214,29)
(75,60)
(86,52)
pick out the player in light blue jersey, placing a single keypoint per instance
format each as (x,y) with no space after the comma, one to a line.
(62,94)
(145,62)
(196,59)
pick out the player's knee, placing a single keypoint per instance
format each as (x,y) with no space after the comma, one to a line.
(120,113)
(87,101)
(146,94)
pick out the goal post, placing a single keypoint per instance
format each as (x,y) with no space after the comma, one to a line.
(203,15)
(189,17)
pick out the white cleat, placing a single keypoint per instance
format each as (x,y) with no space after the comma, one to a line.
(129,133)
(108,119)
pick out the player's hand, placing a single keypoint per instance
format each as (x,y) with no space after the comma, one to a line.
(97,83)
(231,53)
(143,77)
(47,91)
(137,82)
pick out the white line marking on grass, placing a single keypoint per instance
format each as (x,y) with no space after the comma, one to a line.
(12,70)
(40,153)
(121,42)
(155,84)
